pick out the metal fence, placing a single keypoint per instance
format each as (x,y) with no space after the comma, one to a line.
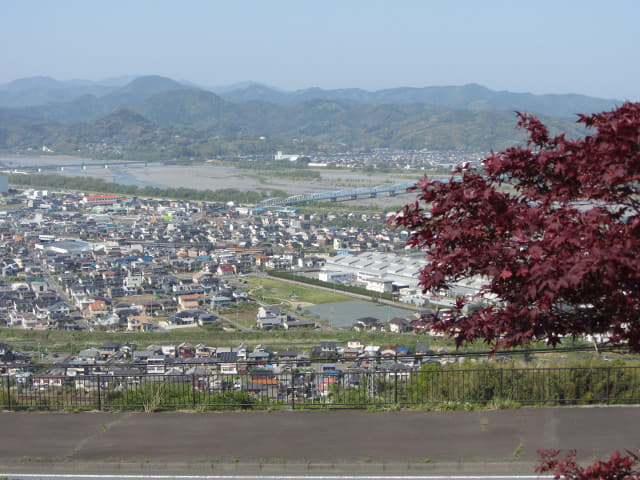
(355,388)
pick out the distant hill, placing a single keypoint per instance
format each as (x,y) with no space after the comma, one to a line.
(140,89)
(157,117)
(249,91)
(33,83)
(121,124)
(34,91)
(188,107)
(47,92)
(472,96)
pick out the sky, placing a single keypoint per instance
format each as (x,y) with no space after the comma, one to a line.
(543,46)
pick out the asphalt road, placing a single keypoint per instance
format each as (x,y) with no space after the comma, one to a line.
(305,443)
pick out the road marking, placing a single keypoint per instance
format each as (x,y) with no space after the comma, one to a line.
(282,477)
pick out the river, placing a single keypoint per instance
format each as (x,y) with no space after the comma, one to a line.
(212,177)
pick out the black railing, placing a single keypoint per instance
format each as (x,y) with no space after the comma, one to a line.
(350,388)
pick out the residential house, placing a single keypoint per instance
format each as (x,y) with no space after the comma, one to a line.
(228,362)
(288,355)
(203,351)
(97,308)
(422,349)
(367,324)
(270,316)
(186,350)
(208,319)
(226,270)
(44,381)
(107,349)
(328,347)
(399,325)
(139,323)
(156,365)
(220,302)
(294,322)
(190,301)
(354,348)
(388,351)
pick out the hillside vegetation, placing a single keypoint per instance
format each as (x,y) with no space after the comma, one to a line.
(155,117)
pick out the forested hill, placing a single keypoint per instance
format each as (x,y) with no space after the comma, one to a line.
(156,117)
(469,97)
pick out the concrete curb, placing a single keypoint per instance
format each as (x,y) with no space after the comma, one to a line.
(268,469)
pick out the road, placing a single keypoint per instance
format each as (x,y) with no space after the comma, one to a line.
(76,476)
(349,444)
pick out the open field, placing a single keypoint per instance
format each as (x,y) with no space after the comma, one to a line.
(64,341)
(270,290)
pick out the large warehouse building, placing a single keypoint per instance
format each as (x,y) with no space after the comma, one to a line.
(401,270)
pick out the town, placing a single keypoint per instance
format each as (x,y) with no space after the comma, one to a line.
(78,262)
(93,265)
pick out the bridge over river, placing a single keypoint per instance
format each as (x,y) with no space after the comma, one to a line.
(340,195)
(84,165)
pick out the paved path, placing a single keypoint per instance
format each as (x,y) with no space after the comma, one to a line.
(290,441)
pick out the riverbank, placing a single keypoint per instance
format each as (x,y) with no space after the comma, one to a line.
(213,177)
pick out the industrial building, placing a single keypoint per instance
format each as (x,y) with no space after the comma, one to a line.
(379,269)
(391,272)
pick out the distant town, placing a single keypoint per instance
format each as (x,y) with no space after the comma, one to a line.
(67,258)
(75,261)
(95,263)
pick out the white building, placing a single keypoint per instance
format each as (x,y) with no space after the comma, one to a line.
(334,277)
(401,270)
(270,316)
(284,156)
(379,285)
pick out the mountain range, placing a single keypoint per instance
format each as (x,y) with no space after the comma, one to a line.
(157,117)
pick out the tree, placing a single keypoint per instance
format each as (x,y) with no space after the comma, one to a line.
(618,467)
(553,228)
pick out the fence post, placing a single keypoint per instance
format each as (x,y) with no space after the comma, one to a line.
(8,391)
(99,393)
(608,380)
(395,390)
(293,389)
(193,390)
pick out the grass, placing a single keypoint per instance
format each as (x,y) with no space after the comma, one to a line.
(518,451)
(135,299)
(245,318)
(61,341)
(291,294)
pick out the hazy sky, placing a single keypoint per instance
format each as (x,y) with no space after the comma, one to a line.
(539,46)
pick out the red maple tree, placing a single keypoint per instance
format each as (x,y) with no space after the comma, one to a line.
(552,226)
(618,467)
